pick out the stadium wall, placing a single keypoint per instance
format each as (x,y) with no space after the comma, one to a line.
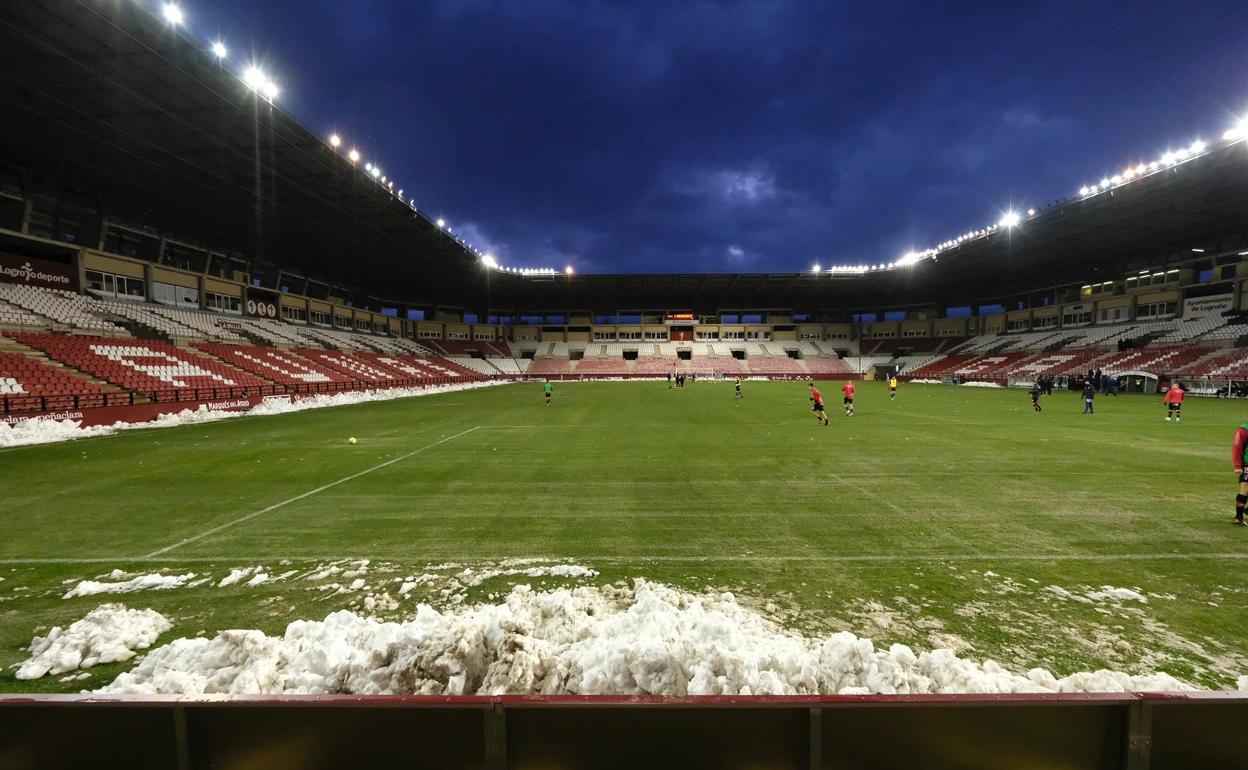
(1132,731)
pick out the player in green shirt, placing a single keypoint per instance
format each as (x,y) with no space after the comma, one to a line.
(549,392)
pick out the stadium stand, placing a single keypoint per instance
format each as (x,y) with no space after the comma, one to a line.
(465,348)
(1230,365)
(28,384)
(351,366)
(13,315)
(657,366)
(716,364)
(512,367)
(141,365)
(823,366)
(481,366)
(70,310)
(175,324)
(603,367)
(280,366)
(774,366)
(549,366)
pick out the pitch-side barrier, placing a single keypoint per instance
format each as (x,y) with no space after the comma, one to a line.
(1069,731)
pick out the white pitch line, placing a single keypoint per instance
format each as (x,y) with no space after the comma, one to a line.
(737,558)
(297,498)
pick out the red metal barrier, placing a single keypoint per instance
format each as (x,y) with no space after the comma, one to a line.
(1102,731)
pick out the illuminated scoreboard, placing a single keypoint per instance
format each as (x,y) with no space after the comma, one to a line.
(680,319)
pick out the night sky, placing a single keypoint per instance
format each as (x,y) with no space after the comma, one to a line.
(741,137)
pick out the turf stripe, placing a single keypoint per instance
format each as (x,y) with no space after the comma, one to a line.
(297,498)
(641,559)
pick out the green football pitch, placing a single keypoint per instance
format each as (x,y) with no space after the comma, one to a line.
(952,516)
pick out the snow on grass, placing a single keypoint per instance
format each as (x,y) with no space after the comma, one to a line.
(1109,593)
(410,583)
(1105,594)
(107,634)
(36,431)
(646,638)
(238,574)
(153,582)
(978,384)
(471,578)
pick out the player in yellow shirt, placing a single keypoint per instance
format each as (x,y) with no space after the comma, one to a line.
(892,388)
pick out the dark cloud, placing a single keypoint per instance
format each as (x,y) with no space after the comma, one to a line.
(723,136)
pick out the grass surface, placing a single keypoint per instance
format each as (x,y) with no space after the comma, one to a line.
(945,518)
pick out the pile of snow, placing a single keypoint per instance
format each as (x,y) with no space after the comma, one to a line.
(978,384)
(107,634)
(47,431)
(153,582)
(925,381)
(470,577)
(648,638)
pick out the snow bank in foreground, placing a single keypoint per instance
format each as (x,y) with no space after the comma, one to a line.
(48,431)
(109,633)
(152,582)
(981,385)
(925,382)
(591,640)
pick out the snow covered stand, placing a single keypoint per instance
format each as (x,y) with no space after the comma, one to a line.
(1118,730)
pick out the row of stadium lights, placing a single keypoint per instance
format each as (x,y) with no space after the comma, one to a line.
(255,78)
(1008,220)
(1012,219)
(258,81)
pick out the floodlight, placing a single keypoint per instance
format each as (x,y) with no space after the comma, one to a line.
(219,50)
(335,141)
(172,13)
(254,78)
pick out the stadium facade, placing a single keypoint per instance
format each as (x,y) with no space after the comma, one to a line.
(149,192)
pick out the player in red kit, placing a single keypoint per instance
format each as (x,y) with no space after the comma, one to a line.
(816,405)
(1239,458)
(848,391)
(1174,402)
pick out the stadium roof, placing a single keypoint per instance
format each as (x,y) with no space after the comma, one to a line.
(112,105)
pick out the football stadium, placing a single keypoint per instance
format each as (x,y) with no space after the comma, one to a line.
(295,475)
